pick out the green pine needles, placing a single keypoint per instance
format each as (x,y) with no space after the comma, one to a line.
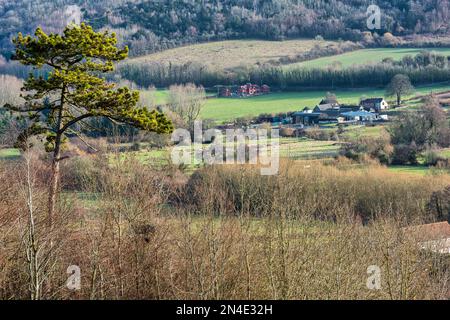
(74,89)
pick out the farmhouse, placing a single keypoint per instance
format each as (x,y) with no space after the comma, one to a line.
(361,116)
(265,89)
(325,107)
(331,111)
(246,90)
(225,92)
(330,100)
(329,103)
(306,118)
(374,104)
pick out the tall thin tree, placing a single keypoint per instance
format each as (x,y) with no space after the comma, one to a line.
(74,90)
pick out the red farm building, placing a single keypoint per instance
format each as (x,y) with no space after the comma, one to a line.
(245,90)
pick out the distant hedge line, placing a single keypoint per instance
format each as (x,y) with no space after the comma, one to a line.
(362,76)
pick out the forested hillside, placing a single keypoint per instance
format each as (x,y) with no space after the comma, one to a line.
(149,26)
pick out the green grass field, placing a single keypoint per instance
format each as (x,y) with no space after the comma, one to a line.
(9,154)
(354,132)
(232,54)
(366,56)
(445,153)
(306,149)
(420,170)
(227,109)
(293,148)
(414,170)
(158,97)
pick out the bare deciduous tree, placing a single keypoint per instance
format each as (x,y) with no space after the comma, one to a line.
(187,101)
(40,251)
(400,85)
(10,90)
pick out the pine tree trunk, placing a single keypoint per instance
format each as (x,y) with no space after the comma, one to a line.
(54,182)
(399,100)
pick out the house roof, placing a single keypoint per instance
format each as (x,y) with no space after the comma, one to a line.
(348,107)
(327,106)
(359,114)
(372,100)
(329,100)
(331,113)
(306,114)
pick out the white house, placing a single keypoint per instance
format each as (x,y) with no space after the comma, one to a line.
(375,104)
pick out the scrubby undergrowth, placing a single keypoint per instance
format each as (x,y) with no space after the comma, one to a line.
(223,233)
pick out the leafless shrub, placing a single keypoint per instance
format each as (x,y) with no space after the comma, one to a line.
(242,237)
(31,249)
(323,192)
(10,90)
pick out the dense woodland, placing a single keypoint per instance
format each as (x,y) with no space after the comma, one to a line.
(149,26)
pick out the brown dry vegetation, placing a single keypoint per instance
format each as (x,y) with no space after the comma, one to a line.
(223,233)
(316,191)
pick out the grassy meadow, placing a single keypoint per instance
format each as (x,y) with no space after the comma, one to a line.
(365,56)
(410,170)
(227,55)
(9,153)
(292,148)
(157,97)
(227,109)
(445,153)
(233,54)
(238,53)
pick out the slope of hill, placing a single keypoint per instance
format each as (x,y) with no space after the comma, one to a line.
(286,64)
(366,56)
(227,55)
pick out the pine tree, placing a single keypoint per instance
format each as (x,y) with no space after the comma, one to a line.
(74,90)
